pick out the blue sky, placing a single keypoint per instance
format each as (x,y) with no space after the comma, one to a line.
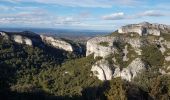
(82,14)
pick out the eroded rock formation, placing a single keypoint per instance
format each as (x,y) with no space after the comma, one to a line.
(57,43)
(125,51)
(145,28)
(29,38)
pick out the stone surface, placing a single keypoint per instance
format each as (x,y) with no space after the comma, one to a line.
(93,46)
(102,69)
(125,51)
(145,28)
(29,38)
(57,43)
(18,38)
(167,58)
(135,67)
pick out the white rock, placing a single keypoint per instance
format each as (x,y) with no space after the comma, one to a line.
(57,43)
(93,46)
(135,67)
(133,28)
(28,41)
(4,35)
(102,70)
(125,51)
(167,58)
(22,40)
(163,72)
(144,29)
(18,39)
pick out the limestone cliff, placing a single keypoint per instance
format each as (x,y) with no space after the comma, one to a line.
(145,28)
(57,43)
(127,55)
(31,39)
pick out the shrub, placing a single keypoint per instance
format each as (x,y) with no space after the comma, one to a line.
(152,55)
(105,44)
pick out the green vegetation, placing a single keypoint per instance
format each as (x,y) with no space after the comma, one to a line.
(116,90)
(131,55)
(157,86)
(152,55)
(125,35)
(27,70)
(105,44)
(166,36)
(31,73)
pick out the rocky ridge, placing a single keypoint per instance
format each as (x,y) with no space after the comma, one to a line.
(123,54)
(31,39)
(145,28)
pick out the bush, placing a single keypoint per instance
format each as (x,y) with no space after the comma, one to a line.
(152,55)
(105,44)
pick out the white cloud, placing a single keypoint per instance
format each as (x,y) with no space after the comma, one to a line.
(114,16)
(36,18)
(121,15)
(152,13)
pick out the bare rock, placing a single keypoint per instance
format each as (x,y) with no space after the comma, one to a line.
(102,69)
(135,67)
(145,28)
(57,43)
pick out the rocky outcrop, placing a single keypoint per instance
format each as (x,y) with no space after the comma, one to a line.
(134,68)
(103,70)
(31,39)
(57,43)
(125,51)
(145,28)
(4,35)
(22,40)
(93,46)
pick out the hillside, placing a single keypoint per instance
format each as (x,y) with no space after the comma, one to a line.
(120,66)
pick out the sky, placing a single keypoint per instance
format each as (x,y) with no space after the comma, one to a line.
(82,14)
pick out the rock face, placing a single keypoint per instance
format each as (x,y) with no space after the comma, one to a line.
(29,38)
(93,46)
(145,28)
(102,70)
(22,40)
(135,67)
(57,43)
(124,50)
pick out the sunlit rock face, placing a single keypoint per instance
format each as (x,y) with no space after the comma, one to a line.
(93,46)
(128,43)
(31,39)
(102,70)
(4,35)
(57,43)
(22,40)
(134,68)
(145,28)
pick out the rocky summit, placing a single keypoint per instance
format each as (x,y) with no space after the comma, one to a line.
(145,28)
(131,50)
